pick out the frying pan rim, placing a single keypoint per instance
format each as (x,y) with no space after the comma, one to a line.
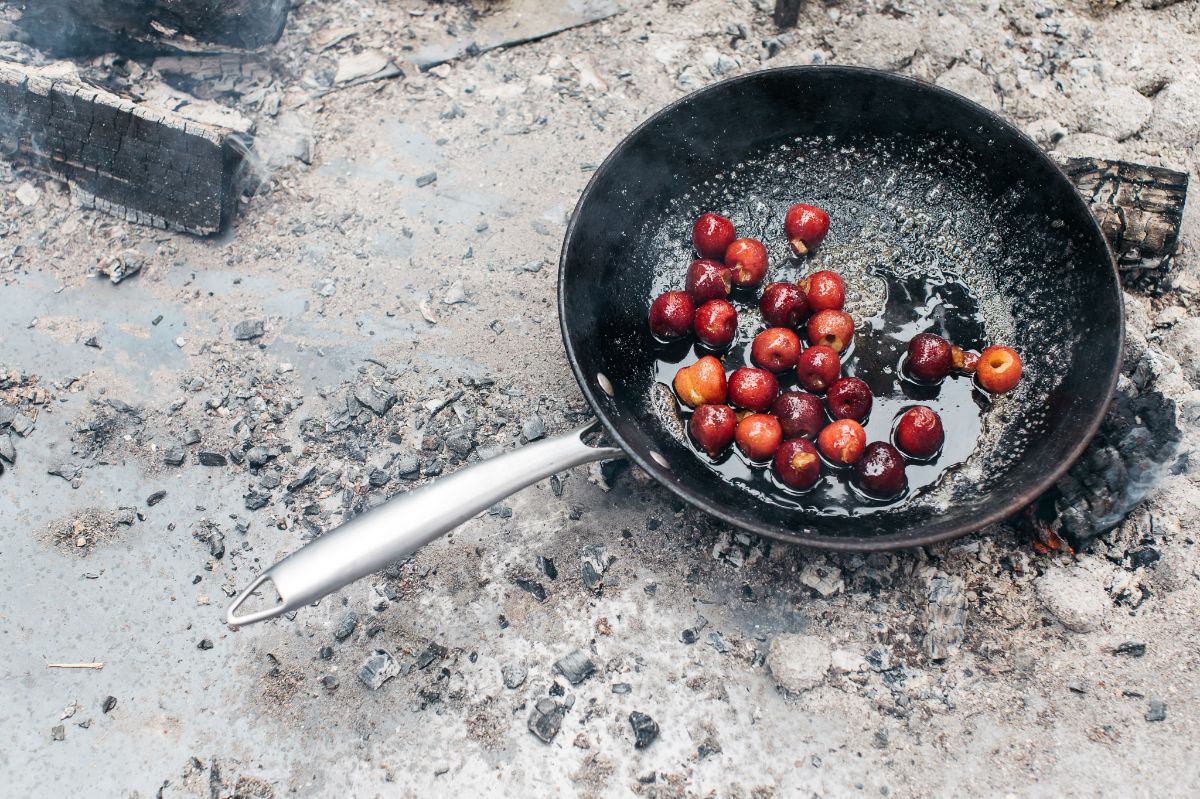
(848,543)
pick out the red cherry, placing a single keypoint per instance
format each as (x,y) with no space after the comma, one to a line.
(849,398)
(928,357)
(880,470)
(711,235)
(919,432)
(752,389)
(818,367)
(800,414)
(797,464)
(842,442)
(776,348)
(671,314)
(748,260)
(708,280)
(805,226)
(999,369)
(713,426)
(758,436)
(834,329)
(716,324)
(963,360)
(825,290)
(783,305)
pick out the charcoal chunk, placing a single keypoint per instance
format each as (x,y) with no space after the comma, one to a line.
(536,589)
(208,458)
(156,498)
(256,500)
(546,719)
(594,562)
(1131,648)
(303,480)
(379,399)
(433,652)
(377,669)
(346,628)
(8,452)
(576,667)
(645,729)
(1157,711)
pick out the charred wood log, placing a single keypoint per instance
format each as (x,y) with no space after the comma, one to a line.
(147,166)
(91,27)
(787,13)
(1140,209)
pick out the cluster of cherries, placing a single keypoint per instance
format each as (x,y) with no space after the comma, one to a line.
(747,407)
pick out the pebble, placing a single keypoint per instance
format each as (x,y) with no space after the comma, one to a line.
(426,179)
(514,675)
(330,682)
(346,627)
(1073,597)
(798,662)
(1157,711)
(546,719)
(155,498)
(576,667)
(378,668)
(249,329)
(533,428)
(645,729)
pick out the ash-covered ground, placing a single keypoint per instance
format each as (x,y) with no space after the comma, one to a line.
(383,311)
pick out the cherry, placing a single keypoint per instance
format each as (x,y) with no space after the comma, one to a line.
(671,314)
(919,432)
(783,305)
(713,426)
(963,360)
(825,290)
(711,235)
(805,226)
(797,464)
(702,383)
(928,357)
(818,367)
(748,260)
(716,324)
(708,280)
(842,442)
(776,349)
(800,414)
(758,436)
(849,398)
(752,389)
(999,369)
(880,471)
(834,329)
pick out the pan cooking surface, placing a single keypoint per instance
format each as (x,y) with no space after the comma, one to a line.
(920,253)
(944,219)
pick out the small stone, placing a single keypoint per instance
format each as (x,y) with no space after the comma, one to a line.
(1075,598)
(426,179)
(645,729)
(173,456)
(256,500)
(533,428)
(192,436)
(533,266)
(1157,711)
(208,458)
(798,662)
(155,498)
(409,468)
(346,627)
(514,675)
(576,667)
(546,719)
(377,669)
(249,329)
(329,682)
(108,703)
(205,643)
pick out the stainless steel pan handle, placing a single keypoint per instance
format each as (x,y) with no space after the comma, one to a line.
(409,521)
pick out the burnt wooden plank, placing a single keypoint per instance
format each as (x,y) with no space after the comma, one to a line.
(1139,208)
(90,27)
(145,165)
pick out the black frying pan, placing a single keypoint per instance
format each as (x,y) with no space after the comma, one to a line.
(920,183)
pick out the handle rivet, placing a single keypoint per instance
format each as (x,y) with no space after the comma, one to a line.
(605,384)
(660,459)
